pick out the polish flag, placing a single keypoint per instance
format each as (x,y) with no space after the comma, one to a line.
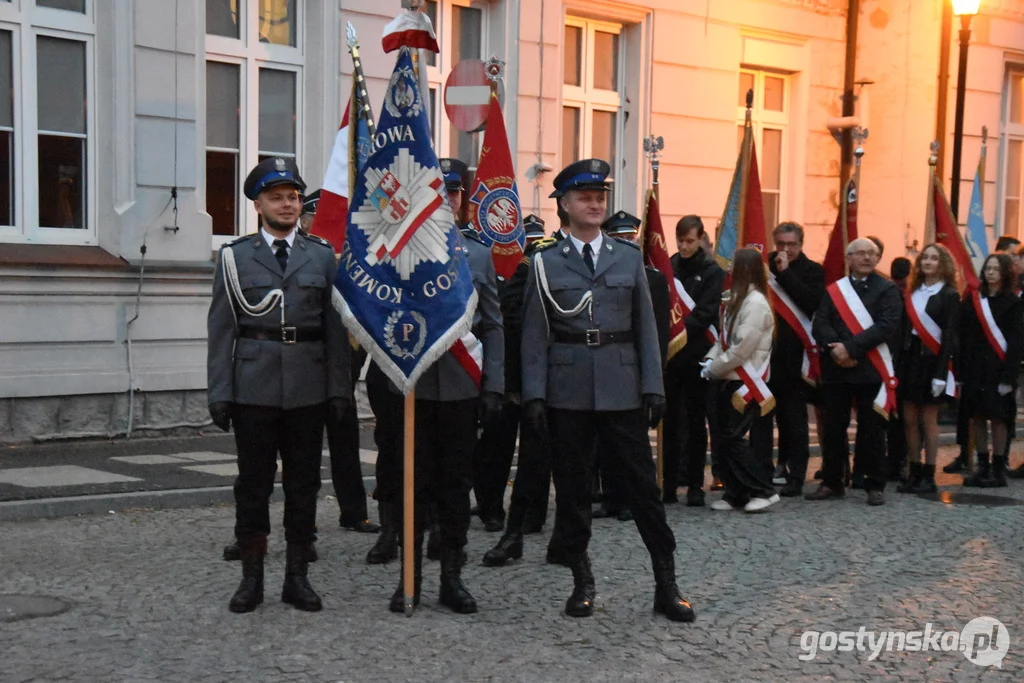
(331,218)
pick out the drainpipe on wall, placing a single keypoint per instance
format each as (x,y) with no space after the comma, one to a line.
(941,106)
(849,78)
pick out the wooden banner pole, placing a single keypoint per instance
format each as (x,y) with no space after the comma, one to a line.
(409,502)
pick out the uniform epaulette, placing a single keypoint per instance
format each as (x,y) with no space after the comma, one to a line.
(239,240)
(625,241)
(540,244)
(316,238)
(470,233)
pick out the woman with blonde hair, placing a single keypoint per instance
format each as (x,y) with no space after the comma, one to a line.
(930,338)
(738,367)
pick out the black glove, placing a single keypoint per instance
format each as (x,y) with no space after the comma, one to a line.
(220,412)
(489,409)
(535,413)
(339,408)
(654,409)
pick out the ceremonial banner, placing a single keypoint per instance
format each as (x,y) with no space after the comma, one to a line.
(743,219)
(404,287)
(351,147)
(844,232)
(494,200)
(977,233)
(656,255)
(948,235)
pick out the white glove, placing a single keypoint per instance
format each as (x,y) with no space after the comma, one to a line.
(1004,389)
(705,368)
(938,387)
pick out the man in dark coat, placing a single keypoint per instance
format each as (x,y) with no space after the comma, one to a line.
(802,282)
(849,375)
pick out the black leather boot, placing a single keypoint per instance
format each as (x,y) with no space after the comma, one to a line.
(250,590)
(581,602)
(957,466)
(913,479)
(996,474)
(509,547)
(297,591)
(397,603)
(980,472)
(385,548)
(453,592)
(667,600)
(926,482)
(232,553)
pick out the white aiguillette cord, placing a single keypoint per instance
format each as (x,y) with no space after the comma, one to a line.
(586,301)
(266,304)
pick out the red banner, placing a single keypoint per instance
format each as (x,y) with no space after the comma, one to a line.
(495,211)
(948,235)
(844,232)
(657,256)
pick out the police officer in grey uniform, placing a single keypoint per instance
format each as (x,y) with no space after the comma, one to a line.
(592,368)
(449,407)
(277,364)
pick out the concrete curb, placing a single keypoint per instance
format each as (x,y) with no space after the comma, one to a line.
(51,508)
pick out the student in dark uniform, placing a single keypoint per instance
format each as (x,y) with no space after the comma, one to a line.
(930,337)
(991,347)
(592,369)
(685,431)
(276,366)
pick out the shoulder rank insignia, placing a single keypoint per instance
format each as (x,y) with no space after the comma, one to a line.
(543,243)
(316,238)
(625,241)
(471,234)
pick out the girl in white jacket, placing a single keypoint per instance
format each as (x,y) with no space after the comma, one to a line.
(738,367)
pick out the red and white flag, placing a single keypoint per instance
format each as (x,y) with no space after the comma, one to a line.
(656,255)
(331,218)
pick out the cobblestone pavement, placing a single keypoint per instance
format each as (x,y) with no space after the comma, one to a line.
(148,600)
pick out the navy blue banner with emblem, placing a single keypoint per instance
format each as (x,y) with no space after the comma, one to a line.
(404,287)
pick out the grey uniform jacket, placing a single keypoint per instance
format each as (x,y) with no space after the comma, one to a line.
(268,372)
(447,380)
(575,376)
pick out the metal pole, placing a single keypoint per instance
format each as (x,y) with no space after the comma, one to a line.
(958,125)
(653,146)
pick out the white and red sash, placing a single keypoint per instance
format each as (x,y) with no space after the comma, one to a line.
(851,309)
(755,384)
(931,336)
(469,351)
(787,309)
(988,323)
(688,305)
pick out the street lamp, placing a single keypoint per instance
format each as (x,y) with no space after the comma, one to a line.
(965,9)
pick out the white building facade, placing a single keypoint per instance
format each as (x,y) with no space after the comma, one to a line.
(131,124)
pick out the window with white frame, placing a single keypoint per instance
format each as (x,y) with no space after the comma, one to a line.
(770,119)
(254,63)
(462,28)
(47,148)
(1011,172)
(592,94)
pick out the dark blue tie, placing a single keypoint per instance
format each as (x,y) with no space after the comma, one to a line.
(588,257)
(281,254)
